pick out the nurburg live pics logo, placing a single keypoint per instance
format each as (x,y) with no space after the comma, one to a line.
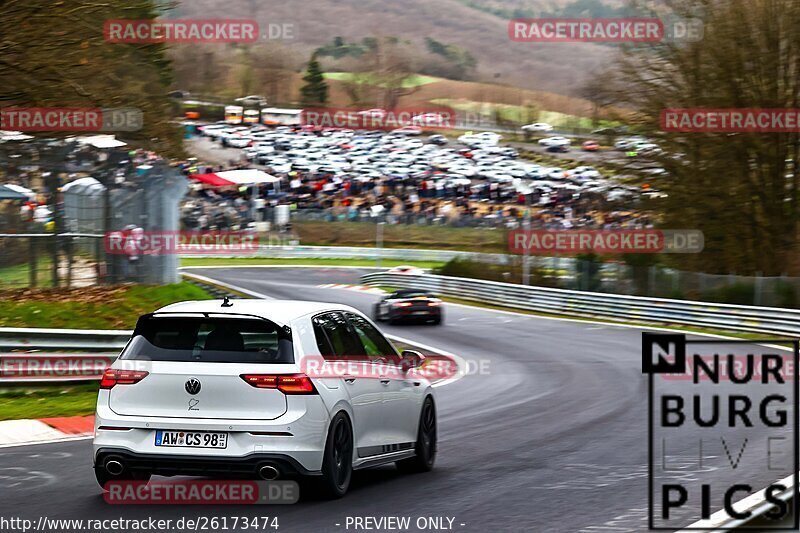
(722,427)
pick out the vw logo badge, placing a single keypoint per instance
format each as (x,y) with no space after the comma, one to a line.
(192,386)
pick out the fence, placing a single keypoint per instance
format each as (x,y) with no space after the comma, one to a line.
(63,247)
(51,260)
(344,214)
(767,320)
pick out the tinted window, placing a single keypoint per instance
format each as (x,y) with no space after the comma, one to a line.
(375,344)
(209,340)
(343,340)
(323,343)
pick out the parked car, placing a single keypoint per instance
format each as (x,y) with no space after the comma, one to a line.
(555,141)
(537,127)
(558,148)
(590,146)
(408,130)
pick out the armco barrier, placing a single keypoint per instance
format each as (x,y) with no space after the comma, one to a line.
(769,320)
(44,355)
(353,252)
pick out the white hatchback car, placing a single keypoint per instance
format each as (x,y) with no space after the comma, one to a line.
(235,388)
(537,126)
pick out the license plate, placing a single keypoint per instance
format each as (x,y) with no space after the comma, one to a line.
(420,313)
(192,439)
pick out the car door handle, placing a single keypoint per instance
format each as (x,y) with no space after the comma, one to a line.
(349,379)
(385,381)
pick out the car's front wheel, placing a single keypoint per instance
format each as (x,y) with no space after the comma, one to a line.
(337,463)
(425,447)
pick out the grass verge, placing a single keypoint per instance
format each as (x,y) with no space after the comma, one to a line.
(340,233)
(19,275)
(47,401)
(90,307)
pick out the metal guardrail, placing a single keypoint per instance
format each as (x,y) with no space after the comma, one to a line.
(91,340)
(769,320)
(352,252)
(32,355)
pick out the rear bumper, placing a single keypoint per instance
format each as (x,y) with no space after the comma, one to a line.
(298,436)
(415,314)
(197,465)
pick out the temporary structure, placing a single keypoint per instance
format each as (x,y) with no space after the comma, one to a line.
(235,177)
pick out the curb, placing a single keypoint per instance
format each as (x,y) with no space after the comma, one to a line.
(32,431)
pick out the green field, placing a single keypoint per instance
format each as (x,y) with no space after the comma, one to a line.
(414,80)
(100,307)
(521,115)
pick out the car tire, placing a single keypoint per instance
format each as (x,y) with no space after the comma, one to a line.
(376,314)
(104,477)
(425,446)
(436,321)
(337,461)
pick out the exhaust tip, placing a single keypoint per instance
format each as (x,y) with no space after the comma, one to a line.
(114,467)
(268,472)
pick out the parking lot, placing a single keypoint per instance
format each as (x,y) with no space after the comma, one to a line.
(479,165)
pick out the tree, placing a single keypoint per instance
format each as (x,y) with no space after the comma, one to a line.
(740,189)
(392,66)
(52,55)
(315,90)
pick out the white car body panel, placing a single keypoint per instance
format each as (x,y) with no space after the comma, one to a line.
(384,411)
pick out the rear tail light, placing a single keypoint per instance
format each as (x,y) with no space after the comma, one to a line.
(433,304)
(403,304)
(114,376)
(286,383)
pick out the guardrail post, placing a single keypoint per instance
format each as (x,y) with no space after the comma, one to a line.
(54,250)
(33,274)
(757,288)
(68,245)
(379,243)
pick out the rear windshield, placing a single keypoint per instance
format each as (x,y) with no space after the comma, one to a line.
(209,340)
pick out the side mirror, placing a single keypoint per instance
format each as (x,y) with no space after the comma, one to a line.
(411,359)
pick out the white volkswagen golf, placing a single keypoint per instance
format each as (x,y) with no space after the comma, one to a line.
(226,388)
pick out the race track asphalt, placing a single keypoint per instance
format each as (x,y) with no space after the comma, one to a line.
(553,437)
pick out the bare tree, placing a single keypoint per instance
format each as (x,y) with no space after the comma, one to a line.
(741,189)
